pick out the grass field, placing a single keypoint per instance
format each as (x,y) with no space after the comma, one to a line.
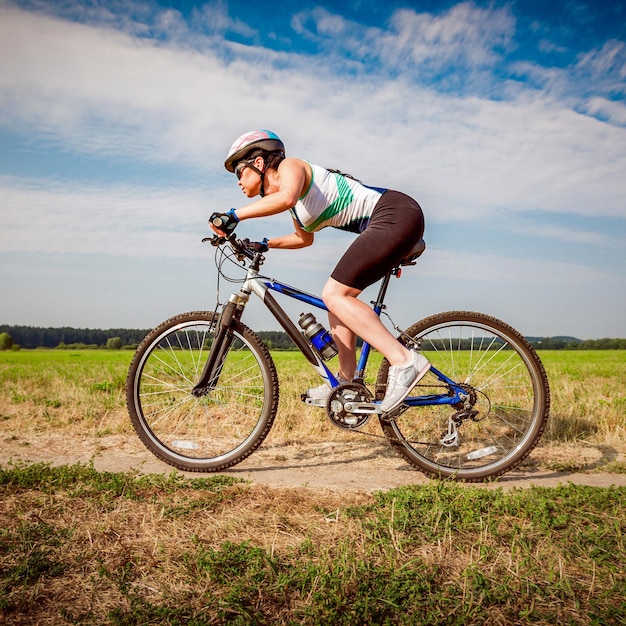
(82,547)
(83,392)
(79,546)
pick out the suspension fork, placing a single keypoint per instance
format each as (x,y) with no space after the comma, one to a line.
(232,311)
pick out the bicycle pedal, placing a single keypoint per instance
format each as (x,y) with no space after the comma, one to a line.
(318,402)
(397,412)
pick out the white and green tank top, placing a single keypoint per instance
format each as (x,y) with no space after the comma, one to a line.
(335,200)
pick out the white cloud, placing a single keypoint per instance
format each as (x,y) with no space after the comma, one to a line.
(99,90)
(214,18)
(606,66)
(48,216)
(580,237)
(611,110)
(107,91)
(498,270)
(597,75)
(131,221)
(466,35)
(454,47)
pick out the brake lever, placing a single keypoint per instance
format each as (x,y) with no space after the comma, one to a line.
(239,248)
(216,240)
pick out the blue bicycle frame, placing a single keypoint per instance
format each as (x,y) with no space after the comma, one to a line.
(455,393)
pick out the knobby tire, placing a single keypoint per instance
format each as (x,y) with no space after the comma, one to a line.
(506,382)
(211,432)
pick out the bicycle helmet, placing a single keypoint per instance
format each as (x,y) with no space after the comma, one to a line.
(261,140)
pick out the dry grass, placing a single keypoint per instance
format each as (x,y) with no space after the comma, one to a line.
(587,427)
(82,547)
(82,393)
(154,533)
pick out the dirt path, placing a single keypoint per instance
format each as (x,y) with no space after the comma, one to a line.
(355,466)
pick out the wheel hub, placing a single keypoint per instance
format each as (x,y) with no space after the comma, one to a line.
(469,398)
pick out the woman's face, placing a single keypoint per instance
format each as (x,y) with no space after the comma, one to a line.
(250,181)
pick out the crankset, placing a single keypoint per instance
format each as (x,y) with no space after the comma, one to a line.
(350,406)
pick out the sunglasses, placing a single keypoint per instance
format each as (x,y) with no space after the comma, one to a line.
(241,167)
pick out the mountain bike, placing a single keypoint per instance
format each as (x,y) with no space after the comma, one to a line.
(202,389)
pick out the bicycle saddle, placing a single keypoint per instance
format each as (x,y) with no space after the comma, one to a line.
(415,252)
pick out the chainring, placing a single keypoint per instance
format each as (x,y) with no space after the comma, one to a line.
(339,400)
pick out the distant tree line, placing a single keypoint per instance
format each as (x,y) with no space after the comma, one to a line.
(15,337)
(570,343)
(12,337)
(34,337)
(276,340)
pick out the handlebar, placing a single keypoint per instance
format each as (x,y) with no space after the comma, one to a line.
(239,247)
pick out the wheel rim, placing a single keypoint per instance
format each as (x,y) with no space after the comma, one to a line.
(215,428)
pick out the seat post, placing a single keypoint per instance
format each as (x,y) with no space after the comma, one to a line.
(382,292)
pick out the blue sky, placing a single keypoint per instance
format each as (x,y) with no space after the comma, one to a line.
(505,120)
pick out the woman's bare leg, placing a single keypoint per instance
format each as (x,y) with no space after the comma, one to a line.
(346,345)
(343,305)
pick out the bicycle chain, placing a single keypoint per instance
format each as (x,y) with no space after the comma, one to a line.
(390,418)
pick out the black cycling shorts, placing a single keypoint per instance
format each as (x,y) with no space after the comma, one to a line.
(396,225)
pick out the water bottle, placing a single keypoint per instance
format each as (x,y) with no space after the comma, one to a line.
(321,339)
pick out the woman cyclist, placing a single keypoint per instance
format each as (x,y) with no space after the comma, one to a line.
(388,224)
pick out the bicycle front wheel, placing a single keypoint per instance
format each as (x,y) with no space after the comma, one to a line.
(214,431)
(506,407)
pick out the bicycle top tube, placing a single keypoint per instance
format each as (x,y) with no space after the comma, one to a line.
(297,294)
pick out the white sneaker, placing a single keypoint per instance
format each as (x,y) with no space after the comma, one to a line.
(323,391)
(319,393)
(402,379)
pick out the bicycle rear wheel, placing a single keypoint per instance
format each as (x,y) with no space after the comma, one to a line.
(507,406)
(211,432)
